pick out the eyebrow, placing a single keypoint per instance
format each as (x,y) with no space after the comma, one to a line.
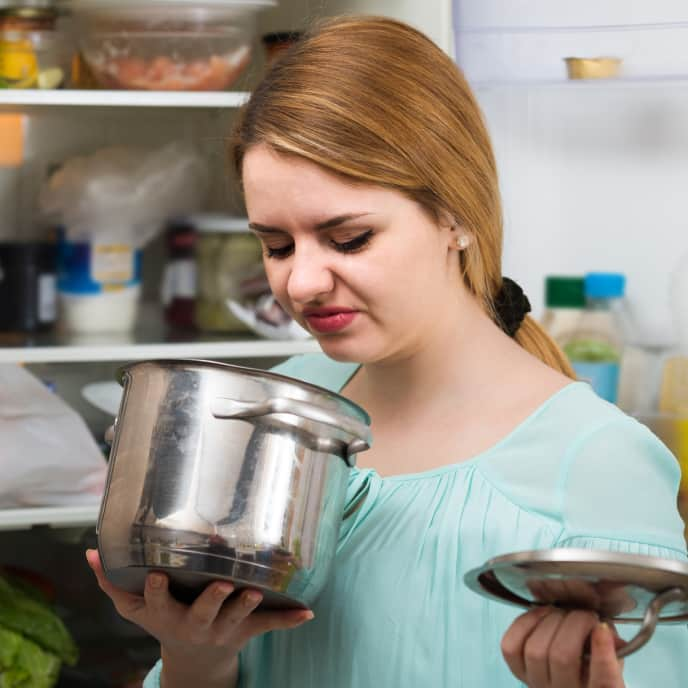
(327,224)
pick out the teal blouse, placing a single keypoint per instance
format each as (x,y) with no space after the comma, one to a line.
(396,612)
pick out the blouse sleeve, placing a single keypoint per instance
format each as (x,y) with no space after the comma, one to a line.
(618,492)
(153,678)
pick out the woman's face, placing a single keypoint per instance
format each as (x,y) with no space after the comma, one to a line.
(363,268)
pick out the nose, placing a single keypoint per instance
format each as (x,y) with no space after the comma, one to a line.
(310,276)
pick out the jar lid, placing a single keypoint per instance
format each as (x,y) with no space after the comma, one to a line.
(564,292)
(605,285)
(217,222)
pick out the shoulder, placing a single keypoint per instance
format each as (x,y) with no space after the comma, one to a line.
(317,369)
(579,454)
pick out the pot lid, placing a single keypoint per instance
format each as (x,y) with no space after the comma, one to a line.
(617,585)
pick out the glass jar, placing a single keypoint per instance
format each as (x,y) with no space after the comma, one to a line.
(28,275)
(33,53)
(228,256)
(178,289)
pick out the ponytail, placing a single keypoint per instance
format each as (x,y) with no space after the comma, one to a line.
(533,338)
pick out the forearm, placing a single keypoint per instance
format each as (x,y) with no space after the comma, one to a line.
(182,672)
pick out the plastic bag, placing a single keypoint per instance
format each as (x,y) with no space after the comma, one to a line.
(124,195)
(48,457)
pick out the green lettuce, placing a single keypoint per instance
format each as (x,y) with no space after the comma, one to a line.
(36,621)
(23,664)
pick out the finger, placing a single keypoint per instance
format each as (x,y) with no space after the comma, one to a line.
(127,604)
(205,609)
(238,608)
(514,640)
(536,650)
(263,622)
(582,595)
(566,650)
(605,668)
(159,601)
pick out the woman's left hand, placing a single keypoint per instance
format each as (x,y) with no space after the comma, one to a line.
(544,648)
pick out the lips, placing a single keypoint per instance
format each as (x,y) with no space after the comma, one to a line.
(328,320)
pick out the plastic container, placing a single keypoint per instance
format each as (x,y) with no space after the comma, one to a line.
(166,45)
(227,255)
(564,304)
(595,347)
(99,287)
(33,52)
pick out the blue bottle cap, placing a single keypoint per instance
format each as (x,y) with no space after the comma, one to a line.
(605,285)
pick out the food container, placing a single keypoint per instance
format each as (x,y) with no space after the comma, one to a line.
(166,45)
(28,275)
(220,472)
(99,286)
(33,52)
(178,287)
(227,255)
(592,67)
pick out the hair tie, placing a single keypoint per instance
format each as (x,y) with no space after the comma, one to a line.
(511,305)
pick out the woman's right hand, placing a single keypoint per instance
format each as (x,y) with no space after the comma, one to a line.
(201,640)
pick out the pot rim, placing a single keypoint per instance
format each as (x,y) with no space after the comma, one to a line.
(255,372)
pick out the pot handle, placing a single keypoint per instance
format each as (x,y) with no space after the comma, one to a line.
(651,618)
(223,407)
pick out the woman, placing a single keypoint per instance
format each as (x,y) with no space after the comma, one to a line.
(370,181)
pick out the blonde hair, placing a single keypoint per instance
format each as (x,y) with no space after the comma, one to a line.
(375,101)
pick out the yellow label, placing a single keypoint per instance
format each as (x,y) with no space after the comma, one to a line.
(18,63)
(112,263)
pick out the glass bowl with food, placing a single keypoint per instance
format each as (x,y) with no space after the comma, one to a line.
(166,45)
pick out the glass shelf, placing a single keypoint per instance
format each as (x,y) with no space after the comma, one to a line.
(54,516)
(97,98)
(619,83)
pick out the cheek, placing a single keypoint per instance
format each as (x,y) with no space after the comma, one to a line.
(277,276)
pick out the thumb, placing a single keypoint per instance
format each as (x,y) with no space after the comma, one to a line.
(605,668)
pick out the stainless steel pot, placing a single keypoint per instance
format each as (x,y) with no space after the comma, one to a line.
(224,472)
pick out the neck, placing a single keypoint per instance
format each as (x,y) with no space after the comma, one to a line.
(457,361)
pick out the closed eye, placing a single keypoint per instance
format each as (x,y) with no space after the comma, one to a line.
(354,244)
(351,246)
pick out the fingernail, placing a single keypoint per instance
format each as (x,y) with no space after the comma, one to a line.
(252,598)
(155,580)
(603,634)
(224,589)
(302,617)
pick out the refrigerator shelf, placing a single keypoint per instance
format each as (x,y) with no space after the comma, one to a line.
(96,98)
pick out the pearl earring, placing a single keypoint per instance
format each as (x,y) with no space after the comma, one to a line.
(462,242)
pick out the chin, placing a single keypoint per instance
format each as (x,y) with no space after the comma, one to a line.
(347,350)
